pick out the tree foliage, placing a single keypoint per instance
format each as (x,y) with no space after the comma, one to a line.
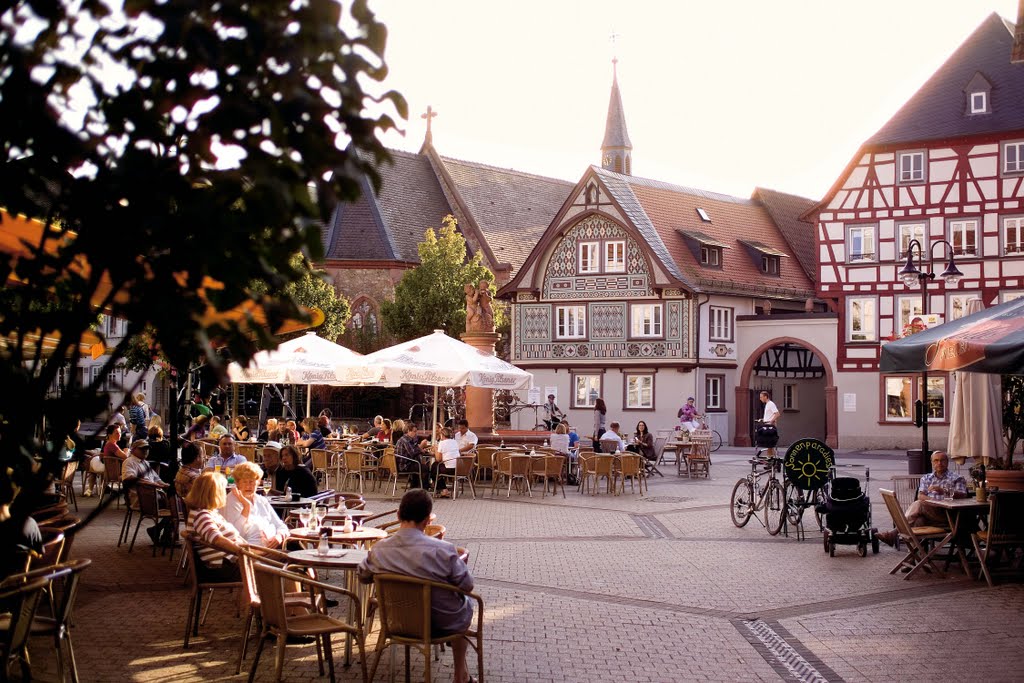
(314,290)
(431,296)
(173,147)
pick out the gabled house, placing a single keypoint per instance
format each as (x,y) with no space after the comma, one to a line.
(633,292)
(942,179)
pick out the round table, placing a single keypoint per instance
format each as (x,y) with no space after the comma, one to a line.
(287,503)
(358,536)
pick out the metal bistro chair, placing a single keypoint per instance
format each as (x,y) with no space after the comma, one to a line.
(404,603)
(22,601)
(596,467)
(357,467)
(196,615)
(321,472)
(65,486)
(549,470)
(149,496)
(111,478)
(485,457)
(463,474)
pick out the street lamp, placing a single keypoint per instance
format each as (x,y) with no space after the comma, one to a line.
(911,274)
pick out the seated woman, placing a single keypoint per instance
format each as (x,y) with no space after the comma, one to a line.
(445,454)
(560,439)
(241,428)
(313,437)
(643,441)
(251,514)
(198,429)
(290,474)
(218,558)
(96,466)
(397,431)
(264,436)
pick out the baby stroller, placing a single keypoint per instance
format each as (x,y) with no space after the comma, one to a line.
(766,436)
(847,514)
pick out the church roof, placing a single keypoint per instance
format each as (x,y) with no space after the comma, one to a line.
(389,226)
(512,209)
(615,134)
(938,110)
(785,210)
(670,211)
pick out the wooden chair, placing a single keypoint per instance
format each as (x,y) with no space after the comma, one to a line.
(501,469)
(598,466)
(1005,529)
(404,603)
(65,484)
(320,465)
(435,531)
(149,497)
(62,585)
(463,474)
(549,469)
(277,621)
(485,456)
(21,599)
(916,538)
(904,487)
(609,447)
(631,466)
(195,614)
(356,467)
(111,478)
(519,467)
(246,450)
(698,460)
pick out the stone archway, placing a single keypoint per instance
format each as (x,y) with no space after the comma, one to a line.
(743,416)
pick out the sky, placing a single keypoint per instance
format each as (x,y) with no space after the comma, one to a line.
(722,95)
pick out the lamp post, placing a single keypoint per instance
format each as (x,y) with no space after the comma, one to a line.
(911,273)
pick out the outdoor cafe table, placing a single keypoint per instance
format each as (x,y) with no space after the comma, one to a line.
(358,536)
(955,510)
(282,503)
(346,560)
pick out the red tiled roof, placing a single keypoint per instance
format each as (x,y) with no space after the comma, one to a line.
(672,208)
(785,210)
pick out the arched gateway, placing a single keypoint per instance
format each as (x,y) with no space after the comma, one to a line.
(789,365)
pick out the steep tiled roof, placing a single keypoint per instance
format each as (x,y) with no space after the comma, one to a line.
(390,225)
(938,110)
(669,209)
(511,208)
(785,210)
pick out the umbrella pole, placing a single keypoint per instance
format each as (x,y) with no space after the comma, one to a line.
(309,397)
(433,430)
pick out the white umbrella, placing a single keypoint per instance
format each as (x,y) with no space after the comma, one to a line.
(437,360)
(308,360)
(976,420)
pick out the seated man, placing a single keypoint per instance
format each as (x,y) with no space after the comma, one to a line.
(410,456)
(935,485)
(613,435)
(137,468)
(412,553)
(271,458)
(226,456)
(466,439)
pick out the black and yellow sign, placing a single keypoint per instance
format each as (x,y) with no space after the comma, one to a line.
(807,463)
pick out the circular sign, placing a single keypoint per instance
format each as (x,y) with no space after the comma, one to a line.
(807,463)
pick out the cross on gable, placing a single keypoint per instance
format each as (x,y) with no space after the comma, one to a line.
(430,114)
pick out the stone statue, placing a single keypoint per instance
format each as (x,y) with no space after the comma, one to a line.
(479,314)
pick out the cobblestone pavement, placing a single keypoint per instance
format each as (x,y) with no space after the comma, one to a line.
(599,588)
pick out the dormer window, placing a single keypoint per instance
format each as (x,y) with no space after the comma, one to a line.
(768,258)
(710,256)
(979,102)
(706,249)
(769,264)
(703,215)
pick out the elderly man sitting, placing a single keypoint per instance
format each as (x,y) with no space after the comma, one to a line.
(409,551)
(137,468)
(935,485)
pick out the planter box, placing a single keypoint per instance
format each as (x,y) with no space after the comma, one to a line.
(1005,480)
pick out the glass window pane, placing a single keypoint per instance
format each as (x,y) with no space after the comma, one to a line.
(897,398)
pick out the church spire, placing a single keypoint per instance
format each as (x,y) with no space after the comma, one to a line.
(616,150)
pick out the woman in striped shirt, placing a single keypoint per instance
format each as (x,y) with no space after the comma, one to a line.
(222,541)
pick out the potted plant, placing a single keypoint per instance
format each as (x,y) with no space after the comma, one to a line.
(1006,474)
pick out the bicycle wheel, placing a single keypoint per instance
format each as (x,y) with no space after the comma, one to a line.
(774,507)
(819,499)
(716,440)
(741,505)
(794,504)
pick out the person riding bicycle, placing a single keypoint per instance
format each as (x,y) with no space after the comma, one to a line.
(688,415)
(553,415)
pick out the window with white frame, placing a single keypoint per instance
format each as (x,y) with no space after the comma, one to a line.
(588,257)
(1010,296)
(615,257)
(710,256)
(956,305)
(903,391)
(860,243)
(789,397)
(1013,235)
(714,396)
(586,390)
(639,391)
(720,323)
(911,167)
(906,233)
(907,308)
(963,235)
(862,319)
(979,102)
(646,320)
(571,322)
(769,264)
(1013,157)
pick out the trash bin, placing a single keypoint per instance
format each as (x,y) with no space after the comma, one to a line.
(918,463)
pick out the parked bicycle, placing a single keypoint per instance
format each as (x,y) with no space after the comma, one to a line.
(761,490)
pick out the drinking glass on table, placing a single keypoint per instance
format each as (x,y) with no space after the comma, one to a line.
(304,515)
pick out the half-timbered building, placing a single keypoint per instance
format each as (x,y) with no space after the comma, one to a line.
(947,171)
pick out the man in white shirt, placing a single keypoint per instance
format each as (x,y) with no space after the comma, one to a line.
(771,415)
(466,439)
(613,435)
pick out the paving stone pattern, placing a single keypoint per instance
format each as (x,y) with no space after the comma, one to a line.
(600,588)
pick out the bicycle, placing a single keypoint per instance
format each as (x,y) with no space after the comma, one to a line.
(749,495)
(716,438)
